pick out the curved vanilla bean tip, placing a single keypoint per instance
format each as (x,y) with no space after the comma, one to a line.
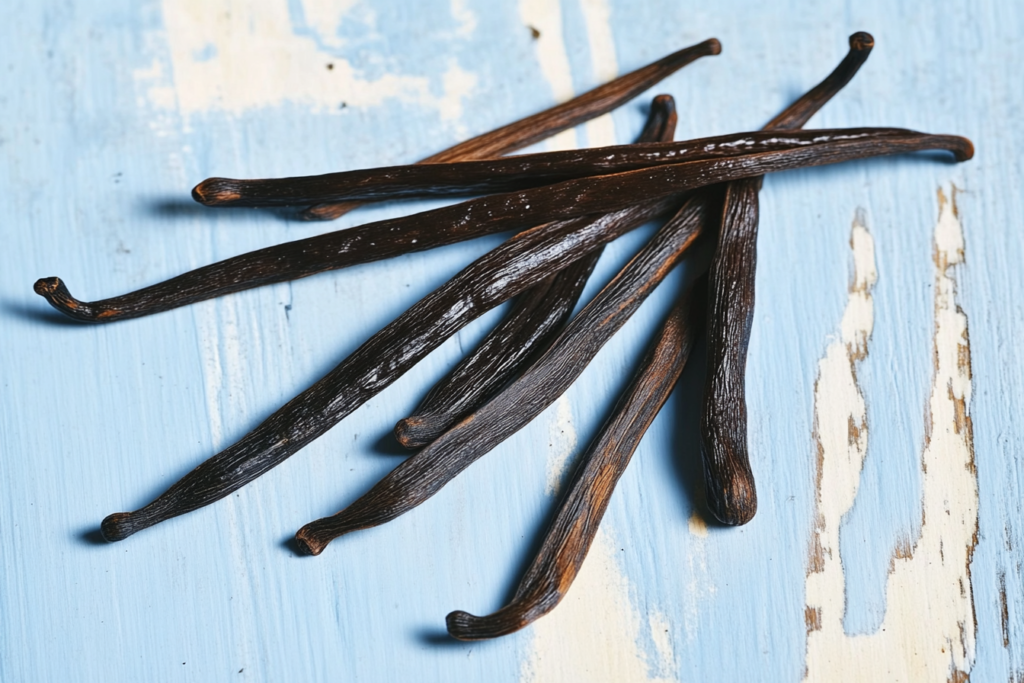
(465,626)
(313,537)
(56,293)
(862,40)
(216,191)
(416,431)
(537,127)
(733,500)
(119,526)
(961,147)
(798,113)
(308,543)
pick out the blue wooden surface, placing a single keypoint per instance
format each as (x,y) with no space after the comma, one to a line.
(112,110)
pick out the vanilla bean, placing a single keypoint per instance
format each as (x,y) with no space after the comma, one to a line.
(425,473)
(538,314)
(494,213)
(729,479)
(523,261)
(585,500)
(506,174)
(537,127)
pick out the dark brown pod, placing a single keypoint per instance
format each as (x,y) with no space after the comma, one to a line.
(583,505)
(425,473)
(520,263)
(729,479)
(531,129)
(538,314)
(506,174)
(487,215)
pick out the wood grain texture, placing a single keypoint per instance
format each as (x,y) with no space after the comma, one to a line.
(113,110)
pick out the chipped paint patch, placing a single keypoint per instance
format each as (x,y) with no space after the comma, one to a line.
(661,636)
(593,634)
(545,19)
(464,16)
(232,55)
(597,15)
(561,444)
(929,627)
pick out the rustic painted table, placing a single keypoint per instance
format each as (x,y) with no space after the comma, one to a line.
(884,376)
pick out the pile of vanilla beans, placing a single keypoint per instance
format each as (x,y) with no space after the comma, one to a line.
(563,207)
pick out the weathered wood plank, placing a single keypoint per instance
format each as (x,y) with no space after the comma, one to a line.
(112,111)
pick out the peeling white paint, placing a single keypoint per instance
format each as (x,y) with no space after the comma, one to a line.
(233,55)
(593,634)
(561,444)
(156,92)
(546,17)
(859,316)
(325,16)
(464,17)
(928,632)
(597,15)
(661,636)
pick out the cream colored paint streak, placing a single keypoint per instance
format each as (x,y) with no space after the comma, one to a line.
(661,635)
(928,632)
(591,636)
(324,16)
(597,16)
(546,17)
(234,55)
(464,16)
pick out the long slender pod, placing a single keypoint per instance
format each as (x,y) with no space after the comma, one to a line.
(729,479)
(507,174)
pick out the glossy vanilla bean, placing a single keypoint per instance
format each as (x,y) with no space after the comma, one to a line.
(486,215)
(507,174)
(426,472)
(729,479)
(537,127)
(538,314)
(583,505)
(523,261)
